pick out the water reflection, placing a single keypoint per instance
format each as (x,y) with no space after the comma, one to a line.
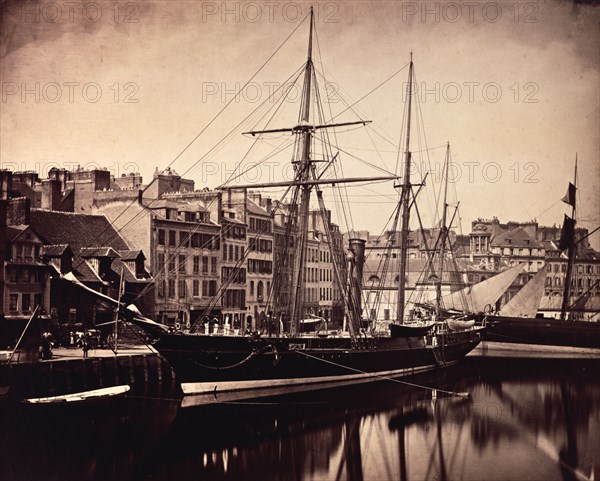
(523,420)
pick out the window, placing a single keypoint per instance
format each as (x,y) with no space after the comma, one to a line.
(26,276)
(161,288)
(213,265)
(181,288)
(161,237)
(386,314)
(204,288)
(171,292)
(172,264)
(196,264)
(25,302)
(38,301)
(172,240)
(259,291)
(12,276)
(182,264)
(251,288)
(13,301)
(212,288)
(196,288)
(184,239)
(204,265)
(224,252)
(160,262)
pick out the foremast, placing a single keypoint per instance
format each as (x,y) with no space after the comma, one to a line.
(405,200)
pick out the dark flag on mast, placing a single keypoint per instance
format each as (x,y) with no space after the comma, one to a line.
(570,197)
(567,234)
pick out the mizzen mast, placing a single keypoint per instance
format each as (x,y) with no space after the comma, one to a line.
(405,199)
(443,237)
(569,233)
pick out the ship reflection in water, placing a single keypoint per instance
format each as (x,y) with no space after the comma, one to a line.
(525,419)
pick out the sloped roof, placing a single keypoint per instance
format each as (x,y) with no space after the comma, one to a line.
(85,273)
(14,231)
(193,206)
(130,255)
(518,238)
(163,204)
(56,250)
(254,208)
(77,230)
(98,252)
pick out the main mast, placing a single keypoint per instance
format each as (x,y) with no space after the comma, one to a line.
(405,199)
(570,252)
(303,169)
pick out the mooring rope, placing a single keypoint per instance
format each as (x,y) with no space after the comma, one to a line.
(387,378)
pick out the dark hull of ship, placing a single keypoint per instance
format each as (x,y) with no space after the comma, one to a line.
(549,332)
(255,367)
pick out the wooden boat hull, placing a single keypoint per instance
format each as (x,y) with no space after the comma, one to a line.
(218,364)
(549,332)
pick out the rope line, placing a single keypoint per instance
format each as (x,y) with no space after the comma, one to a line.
(387,378)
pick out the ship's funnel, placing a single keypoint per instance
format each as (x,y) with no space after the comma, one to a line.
(357,247)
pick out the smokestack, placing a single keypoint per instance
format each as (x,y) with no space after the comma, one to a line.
(357,246)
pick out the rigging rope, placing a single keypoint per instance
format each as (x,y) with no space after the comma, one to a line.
(386,378)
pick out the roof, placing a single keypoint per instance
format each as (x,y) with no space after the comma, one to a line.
(56,250)
(85,273)
(254,208)
(515,238)
(14,231)
(98,252)
(164,204)
(130,255)
(77,230)
(195,206)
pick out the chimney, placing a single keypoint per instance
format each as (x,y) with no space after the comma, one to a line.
(51,194)
(5,184)
(17,212)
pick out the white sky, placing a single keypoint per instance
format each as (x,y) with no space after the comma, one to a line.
(178,60)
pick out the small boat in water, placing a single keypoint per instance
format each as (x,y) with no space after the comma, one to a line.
(85,396)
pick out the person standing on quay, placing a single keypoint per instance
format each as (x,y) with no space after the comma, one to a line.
(85,346)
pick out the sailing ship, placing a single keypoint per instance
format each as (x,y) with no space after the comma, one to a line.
(220,366)
(518,322)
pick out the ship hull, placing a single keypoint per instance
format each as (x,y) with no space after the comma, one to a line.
(549,332)
(251,367)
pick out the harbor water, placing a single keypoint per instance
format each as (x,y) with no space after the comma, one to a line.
(523,419)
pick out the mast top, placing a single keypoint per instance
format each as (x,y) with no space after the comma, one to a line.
(310,35)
